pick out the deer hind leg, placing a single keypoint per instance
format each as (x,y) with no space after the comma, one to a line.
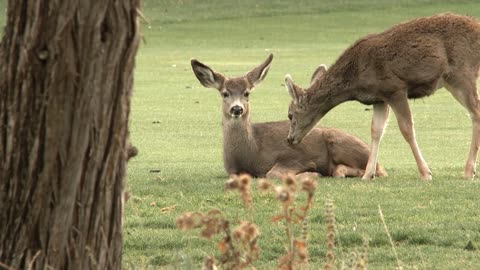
(465,92)
(342,171)
(379,122)
(401,108)
(470,166)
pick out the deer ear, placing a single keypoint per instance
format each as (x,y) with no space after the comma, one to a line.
(256,75)
(295,91)
(318,73)
(206,75)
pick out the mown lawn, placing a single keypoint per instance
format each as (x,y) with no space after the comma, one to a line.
(176,124)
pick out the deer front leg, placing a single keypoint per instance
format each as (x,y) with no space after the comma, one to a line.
(342,171)
(379,121)
(405,122)
(279,171)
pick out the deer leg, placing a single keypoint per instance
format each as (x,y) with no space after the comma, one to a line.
(379,121)
(342,171)
(279,171)
(308,175)
(465,92)
(470,166)
(402,111)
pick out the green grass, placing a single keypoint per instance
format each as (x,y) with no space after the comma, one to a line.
(176,124)
(431,223)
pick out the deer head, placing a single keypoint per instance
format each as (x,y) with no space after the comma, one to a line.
(234,91)
(302,117)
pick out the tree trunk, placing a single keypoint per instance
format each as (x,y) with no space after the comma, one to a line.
(65,85)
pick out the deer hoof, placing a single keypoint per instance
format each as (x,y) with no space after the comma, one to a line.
(469,172)
(368,177)
(469,175)
(427,176)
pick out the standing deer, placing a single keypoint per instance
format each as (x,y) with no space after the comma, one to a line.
(261,149)
(410,60)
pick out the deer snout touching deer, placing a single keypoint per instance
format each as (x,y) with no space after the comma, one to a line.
(260,149)
(410,60)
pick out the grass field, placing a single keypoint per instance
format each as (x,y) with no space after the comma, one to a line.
(176,124)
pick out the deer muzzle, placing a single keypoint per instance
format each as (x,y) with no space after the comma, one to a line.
(236,111)
(291,140)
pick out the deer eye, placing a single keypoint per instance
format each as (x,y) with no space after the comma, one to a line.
(225,94)
(290,116)
(246,94)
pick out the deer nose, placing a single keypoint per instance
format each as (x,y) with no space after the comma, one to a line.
(290,140)
(236,110)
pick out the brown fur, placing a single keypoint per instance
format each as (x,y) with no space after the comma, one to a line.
(261,149)
(410,60)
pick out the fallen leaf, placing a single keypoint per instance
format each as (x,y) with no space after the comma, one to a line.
(168,209)
(277,218)
(222,246)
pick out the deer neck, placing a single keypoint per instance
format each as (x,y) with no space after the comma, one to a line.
(329,92)
(238,135)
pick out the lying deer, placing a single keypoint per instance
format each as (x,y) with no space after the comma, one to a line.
(410,60)
(261,149)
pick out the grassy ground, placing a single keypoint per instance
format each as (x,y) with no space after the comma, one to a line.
(175,123)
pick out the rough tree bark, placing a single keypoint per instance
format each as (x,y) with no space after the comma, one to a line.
(65,85)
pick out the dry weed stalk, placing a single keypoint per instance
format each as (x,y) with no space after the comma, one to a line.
(330,218)
(209,264)
(242,184)
(293,216)
(238,249)
(362,260)
(357,260)
(389,236)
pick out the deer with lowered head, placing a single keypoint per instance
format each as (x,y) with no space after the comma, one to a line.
(410,60)
(261,149)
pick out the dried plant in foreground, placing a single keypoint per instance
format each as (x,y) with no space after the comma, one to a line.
(356,260)
(238,250)
(209,264)
(330,218)
(242,184)
(294,217)
(389,237)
